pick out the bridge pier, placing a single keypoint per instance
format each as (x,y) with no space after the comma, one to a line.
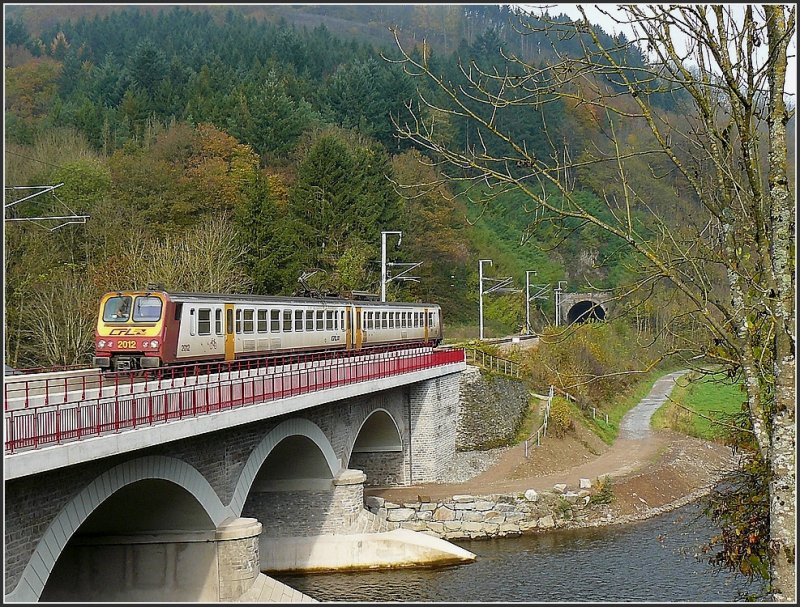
(207,566)
(433,412)
(354,538)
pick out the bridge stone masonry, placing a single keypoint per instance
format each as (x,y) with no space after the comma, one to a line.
(197,509)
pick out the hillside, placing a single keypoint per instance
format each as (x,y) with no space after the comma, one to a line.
(271,128)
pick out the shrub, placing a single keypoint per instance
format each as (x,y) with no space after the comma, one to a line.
(560,420)
(604,493)
(564,508)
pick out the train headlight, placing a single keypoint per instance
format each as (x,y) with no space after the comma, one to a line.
(154,343)
(101,343)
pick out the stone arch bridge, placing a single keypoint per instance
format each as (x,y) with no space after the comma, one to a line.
(196,514)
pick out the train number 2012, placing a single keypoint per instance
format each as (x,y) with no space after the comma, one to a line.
(126,343)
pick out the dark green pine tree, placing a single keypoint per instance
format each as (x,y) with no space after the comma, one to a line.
(275,256)
(148,68)
(267,118)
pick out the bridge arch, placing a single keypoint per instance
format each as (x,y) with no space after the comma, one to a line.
(378,449)
(289,428)
(77,511)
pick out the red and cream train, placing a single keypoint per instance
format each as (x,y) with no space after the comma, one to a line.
(152,328)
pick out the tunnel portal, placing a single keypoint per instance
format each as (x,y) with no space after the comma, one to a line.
(585,311)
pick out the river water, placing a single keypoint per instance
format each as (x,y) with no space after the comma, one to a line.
(649,561)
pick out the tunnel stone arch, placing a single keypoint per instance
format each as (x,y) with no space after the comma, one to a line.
(65,525)
(378,450)
(594,306)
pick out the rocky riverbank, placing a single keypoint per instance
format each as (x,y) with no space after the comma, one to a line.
(566,483)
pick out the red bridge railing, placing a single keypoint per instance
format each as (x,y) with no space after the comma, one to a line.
(75,408)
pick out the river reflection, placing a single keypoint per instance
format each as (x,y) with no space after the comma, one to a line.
(652,561)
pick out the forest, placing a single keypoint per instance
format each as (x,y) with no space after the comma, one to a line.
(227,148)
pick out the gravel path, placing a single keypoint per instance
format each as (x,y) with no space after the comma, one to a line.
(635,424)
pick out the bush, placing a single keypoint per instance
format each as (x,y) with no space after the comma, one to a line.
(604,493)
(560,421)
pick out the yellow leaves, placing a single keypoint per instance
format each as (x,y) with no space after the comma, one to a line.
(30,87)
(59,44)
(221,166)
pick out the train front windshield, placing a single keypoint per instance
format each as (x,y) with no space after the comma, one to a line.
(147,309)
(117,309)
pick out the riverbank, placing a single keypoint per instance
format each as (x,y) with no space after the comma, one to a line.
(645,473)
(682,470)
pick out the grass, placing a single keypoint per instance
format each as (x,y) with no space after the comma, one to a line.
(712,399)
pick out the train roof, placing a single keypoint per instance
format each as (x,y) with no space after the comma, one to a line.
(179,296)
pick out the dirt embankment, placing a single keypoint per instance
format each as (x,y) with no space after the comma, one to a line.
(649,471)
(647,477)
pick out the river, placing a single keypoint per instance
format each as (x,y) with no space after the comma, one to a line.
(653,561)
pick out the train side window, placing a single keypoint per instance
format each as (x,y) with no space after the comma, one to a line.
(229,321)
(275,321)
(192,320)
(320,320)
(238,321)
(287,321)
(309,320)
(415,319)
(298,320)
(329,320)
(204,321)
(248,321)
(430,319)
(367,320)
(262,321)
(341,320)
(178,310)
(218,321)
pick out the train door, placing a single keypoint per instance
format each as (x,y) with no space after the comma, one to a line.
(348,323)
(359,334)
(230,344)
(425,323)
